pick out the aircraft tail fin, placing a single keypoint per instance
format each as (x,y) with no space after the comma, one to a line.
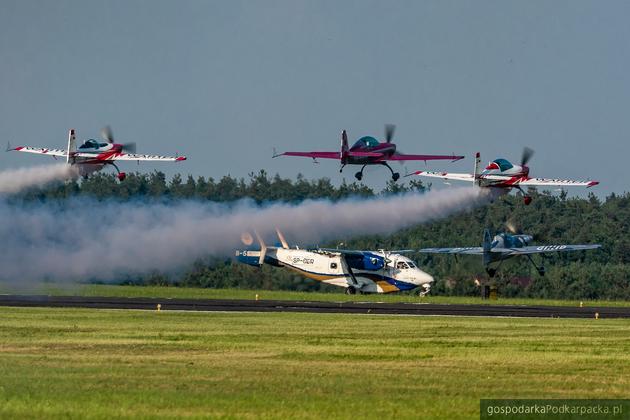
(476,172)
(344,145)
(283,241)
(72,146)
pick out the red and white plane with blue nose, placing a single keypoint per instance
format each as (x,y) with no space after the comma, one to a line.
(94,155)
(503,174)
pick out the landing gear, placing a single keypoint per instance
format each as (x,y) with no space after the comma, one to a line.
(121,175)
(541,269)
(351,290)
(359,175)
(395,175)
(526,198)
(422,292)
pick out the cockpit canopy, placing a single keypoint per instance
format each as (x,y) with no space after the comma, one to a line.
(504,240)
(366,141)
(404,265)
(92,144)
(501,164)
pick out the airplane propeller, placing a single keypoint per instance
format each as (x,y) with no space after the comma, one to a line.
(129,147)
(511,227)
(108,135)
(527,155)
(389,132)
(247,238)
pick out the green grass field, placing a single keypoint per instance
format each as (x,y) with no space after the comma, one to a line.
(82,363)
(198,293)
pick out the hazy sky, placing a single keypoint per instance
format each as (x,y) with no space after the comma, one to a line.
(225,81)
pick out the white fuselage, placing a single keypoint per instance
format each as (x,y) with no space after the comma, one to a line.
(398,273)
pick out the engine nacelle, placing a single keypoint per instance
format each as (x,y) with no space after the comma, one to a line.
(366,261)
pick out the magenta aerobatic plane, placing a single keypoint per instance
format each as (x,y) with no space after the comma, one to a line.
(369,151)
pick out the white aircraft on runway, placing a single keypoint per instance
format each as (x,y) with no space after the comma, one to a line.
(358,271)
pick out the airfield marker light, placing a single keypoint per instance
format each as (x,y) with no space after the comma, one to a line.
(581,304)
(596,315)
(159,307)
(256,297)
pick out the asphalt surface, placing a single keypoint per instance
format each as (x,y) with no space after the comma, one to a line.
(228,305)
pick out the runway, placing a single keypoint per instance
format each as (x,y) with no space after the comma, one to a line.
(226,305)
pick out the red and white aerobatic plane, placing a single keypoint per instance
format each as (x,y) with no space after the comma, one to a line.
(502,174)
(94,155)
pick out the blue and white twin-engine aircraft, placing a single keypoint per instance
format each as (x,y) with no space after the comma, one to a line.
(358,271)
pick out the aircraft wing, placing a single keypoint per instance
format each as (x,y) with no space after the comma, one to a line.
(556,182)
(131,156)
(364,154)
(473,250)
(314,155)
(38,150)
(543,248)
(359,252)
(330,155)
(445,175)
(400,156)
(342,251)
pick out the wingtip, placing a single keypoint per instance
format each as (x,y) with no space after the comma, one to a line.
(11,148)
(592,184)
(180,158)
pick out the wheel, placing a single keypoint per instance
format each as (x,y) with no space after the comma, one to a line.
(358,175)
(122,176)
(527,200)
(541,271)
(491,271)
(395,176)
(351,291)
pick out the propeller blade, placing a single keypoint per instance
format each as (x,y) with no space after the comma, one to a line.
(129,147)
(107,134)
(527,155)
(389,132)
(247,238)
(511,227)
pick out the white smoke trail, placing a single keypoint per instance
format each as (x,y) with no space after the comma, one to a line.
(86,239)
(15,180)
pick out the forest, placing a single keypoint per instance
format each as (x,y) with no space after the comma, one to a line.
(551,219)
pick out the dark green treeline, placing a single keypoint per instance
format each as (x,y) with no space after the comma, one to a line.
(600,274)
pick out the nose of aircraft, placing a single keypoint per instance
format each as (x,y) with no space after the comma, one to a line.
(423,278)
